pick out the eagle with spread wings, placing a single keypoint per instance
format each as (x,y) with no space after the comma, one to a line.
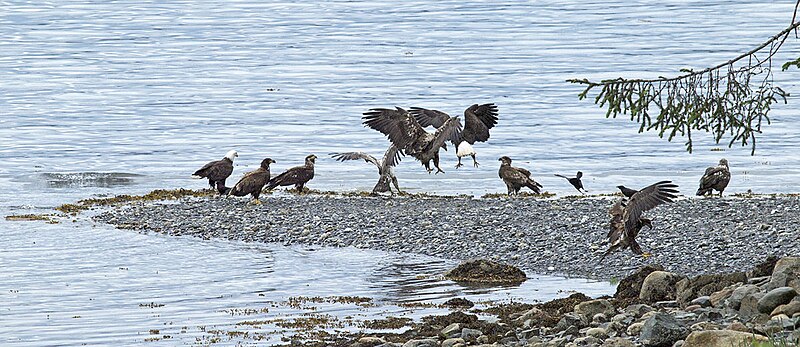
(405,132)
(478,119)
(385,167)
(626,215)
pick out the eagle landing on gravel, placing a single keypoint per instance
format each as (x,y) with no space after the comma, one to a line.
(626,215)
(409,137)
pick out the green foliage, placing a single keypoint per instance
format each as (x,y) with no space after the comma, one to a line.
(788,64)
(731,100)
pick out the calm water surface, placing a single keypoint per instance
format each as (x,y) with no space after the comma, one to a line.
(121,97)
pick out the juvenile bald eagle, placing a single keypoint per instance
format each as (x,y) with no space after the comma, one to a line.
(575,181)
(478,119)
(218,171)
(253,182)
(516,177)
(715,178)
(408,135)
(297,176)
(385,167)
(626,215)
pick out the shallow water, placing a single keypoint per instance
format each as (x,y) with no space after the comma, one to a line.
(114,98)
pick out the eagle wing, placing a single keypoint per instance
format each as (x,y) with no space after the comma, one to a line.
(295,175)
(449,131)
(250,182)
(215,170)
(713,176)
(647,198)
(426,117)
(390,158)
(356,156)
(523,171)
(401,128)
(617,226)
(478,119)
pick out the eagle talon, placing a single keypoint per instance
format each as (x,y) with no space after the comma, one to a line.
(256,202)
(459,165)
(475,164)
(647,255)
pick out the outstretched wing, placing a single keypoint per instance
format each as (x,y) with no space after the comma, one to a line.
(426,117)
(390,158)
(647,198)
(478,119)
(617,226)
(356,156)
(401,128)
(449,131)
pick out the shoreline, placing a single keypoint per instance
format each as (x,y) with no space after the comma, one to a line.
(556,236)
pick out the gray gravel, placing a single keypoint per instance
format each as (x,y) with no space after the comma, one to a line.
(553,236)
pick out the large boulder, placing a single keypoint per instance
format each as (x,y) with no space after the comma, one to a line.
(735,300)
(721,338)
(628,289)
(775,298)
(690,288)
(485,271)
(763,269)
(662,330)
(786,274)
(789,309)
(659,286)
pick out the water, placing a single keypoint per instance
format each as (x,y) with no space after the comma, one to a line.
(124,97)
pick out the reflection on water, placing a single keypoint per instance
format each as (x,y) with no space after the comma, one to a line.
(80,283)
(89,179)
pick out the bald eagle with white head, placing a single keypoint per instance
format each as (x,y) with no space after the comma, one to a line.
(478,119)
(218,171)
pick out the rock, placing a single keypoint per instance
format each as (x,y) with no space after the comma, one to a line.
(735,300)
(599,318)
(599,333)
(452,330)
(617,342)
(786,274)
(635,329)
(458,303)
(738,326)
(421,343)
(704,326)
(637,310)
(587,341)
(629,287)
(718,298)
(789,309)
(485,271)
(776,297)
(370,341)
(571,320)
(691,288)
(721,338)
(692,307)
(763,269)
(453,342)
(659,286)
(589,309)
(662,330)
(470,335)
(703,301)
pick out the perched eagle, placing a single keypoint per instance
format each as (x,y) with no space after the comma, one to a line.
(715,178)
(408,135)
(253,182)
(385,167)
(218,171)
(575,181)
(297,176)
(626,215)
(478,119)
(516,177)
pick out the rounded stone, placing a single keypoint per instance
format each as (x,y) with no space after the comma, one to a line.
(775,298)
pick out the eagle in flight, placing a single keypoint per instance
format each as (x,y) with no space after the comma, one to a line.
(626,215)
(478,119)
(385,167)
(405,132)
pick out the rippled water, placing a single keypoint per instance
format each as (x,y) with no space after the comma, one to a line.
(124,97)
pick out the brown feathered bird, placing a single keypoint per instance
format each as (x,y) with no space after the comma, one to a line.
(516,177)
(297,176)
(715,178)
(478,119)
(218,171)
(253,182)
(626,215)
(409,137)
(385,167)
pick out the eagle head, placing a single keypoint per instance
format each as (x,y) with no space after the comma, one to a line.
(505,160)
(723,162)
(265,163)
(311,159)
(231,154)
